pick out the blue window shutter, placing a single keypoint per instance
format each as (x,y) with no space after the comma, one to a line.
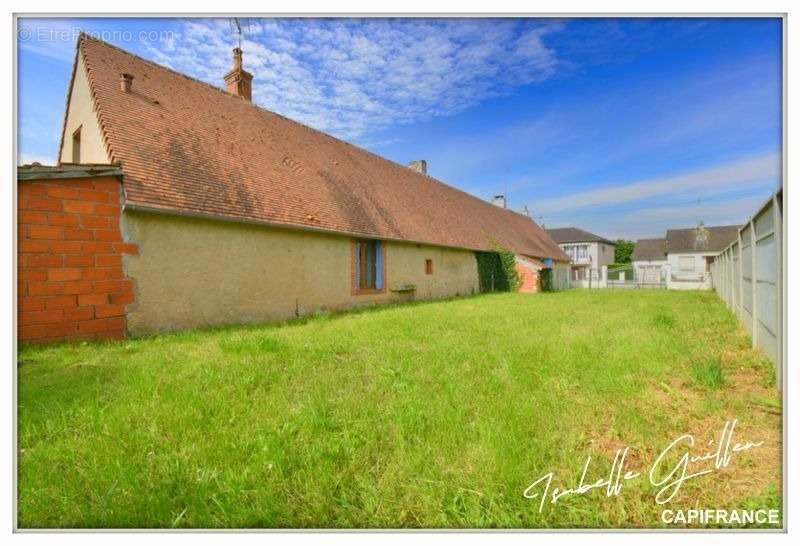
(378,265)
(357,263)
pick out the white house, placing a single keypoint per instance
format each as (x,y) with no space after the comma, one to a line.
(587,252)
(684,256)
(691,251)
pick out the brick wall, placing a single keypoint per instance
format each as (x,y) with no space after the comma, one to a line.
(71,283)
(528,277)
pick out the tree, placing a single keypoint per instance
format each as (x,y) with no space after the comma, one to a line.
(623,252)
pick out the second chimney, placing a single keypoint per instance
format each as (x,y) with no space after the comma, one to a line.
(239,81)
(499,201)
(125,82)
(419,165)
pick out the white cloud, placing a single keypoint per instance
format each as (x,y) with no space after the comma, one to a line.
(350,77)
(654,221)
(707,181)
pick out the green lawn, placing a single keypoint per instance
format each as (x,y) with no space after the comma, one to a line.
(424,415)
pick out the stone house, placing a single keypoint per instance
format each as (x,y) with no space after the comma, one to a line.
(177,204)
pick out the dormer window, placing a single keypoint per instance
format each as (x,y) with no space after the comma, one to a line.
(76,146)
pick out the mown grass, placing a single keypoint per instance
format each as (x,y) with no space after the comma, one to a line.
(425,415)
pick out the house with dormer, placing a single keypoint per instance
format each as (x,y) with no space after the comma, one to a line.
(684,255)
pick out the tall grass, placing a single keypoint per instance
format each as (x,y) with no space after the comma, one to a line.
(708,373)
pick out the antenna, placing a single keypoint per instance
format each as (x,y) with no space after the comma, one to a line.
(700,219)
(538,218)
(235,21)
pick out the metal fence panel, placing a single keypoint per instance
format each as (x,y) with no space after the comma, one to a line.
(748,277)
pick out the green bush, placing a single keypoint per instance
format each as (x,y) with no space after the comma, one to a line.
(623,251)
(497,271)
(546,280)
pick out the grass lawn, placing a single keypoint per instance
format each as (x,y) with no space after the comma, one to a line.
(424,415)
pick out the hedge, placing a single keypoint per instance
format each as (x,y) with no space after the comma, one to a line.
(497,271)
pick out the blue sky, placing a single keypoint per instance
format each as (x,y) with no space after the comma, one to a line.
(624,127)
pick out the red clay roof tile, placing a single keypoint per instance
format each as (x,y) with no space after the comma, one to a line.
(190,147)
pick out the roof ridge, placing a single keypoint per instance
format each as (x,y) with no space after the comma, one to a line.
(707,227)
(85,36)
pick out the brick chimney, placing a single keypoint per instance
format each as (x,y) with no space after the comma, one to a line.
(419,165)
(239,81)
(125,82)
(499,201)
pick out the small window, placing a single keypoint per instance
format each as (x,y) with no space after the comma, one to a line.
(429,267)
(686,263)
(76,146)
(368,266)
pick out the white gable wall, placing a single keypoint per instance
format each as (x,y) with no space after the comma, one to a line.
(80,113)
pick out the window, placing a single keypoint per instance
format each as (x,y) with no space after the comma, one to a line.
(368,266)
(76,146)
(429,267)
(583,252)
(572,252)
(686,263)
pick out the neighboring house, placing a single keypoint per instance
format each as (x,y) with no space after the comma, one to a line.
(691,251)
(648,259)
(211,210)
(586,251)
(685,255)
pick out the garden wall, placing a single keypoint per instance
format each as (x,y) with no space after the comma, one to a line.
(71,283)
(748,276)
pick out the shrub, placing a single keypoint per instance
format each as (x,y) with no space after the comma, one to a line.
(497,271)
(546,280)
(623,251)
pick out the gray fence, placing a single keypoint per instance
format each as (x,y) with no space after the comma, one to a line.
(748,276)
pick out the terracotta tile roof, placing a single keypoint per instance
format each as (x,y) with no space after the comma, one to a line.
(576,235)
(715,239)
(190,147)
(650,249)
